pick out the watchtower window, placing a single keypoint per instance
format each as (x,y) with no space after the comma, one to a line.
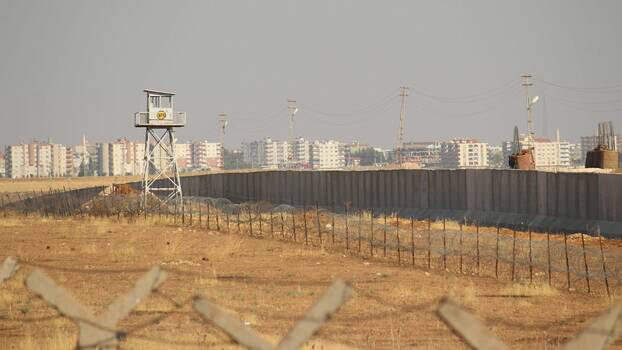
(165,102)
(155,101)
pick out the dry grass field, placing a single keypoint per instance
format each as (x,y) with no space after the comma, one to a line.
(268,283)
(59,183)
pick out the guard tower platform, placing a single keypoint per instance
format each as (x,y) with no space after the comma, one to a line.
(160,112)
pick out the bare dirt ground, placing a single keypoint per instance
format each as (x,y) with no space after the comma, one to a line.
(268,283)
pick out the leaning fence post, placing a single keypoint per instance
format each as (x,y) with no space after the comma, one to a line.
(397,232)
(238,218)
(95,332)
(587,272)
(260,216)
(602,257)
(271,224)
(282,225)
(332,228)
(208,216)
(567,261)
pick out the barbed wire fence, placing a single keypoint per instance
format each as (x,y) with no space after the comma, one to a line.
(575,262)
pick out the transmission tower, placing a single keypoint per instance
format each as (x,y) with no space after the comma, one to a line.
(291,110)
(400,137)
(222,123)
(530,133)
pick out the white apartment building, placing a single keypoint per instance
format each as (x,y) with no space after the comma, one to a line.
(267,153)
(328,155)
(207,155)
(35,160)
(547,154)
(302,153)
(122,157)
(464,153)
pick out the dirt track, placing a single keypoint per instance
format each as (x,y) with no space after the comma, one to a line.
(268,283)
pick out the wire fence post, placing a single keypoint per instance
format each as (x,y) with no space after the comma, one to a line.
(238,218)
(397,232)
(271,225)
(371,232)
(567,261)
(282,226)
(191,211)
(429,243)
(384,239)
(208,216)
(587,272)
(460,247)
(513,253)
(332,228)
(412,240)
(259,215)
(294,224)
(359,231)
(347,233)
(444,244)
(304,218)
(602,257)
(477,244)
(200,214)
(497,254)
(548,254)
(250,220)
(319,227)
(530,257)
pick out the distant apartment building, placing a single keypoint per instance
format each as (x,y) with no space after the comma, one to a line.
(207,155)
(119,158)
(36,159)
(464,153)
(267,153)
(547,154)
(2,165)
(328,155)
(301,153)
(424,154)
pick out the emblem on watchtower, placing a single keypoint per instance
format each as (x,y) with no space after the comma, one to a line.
(161,115)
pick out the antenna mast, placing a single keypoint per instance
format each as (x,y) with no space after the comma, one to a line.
(400,137)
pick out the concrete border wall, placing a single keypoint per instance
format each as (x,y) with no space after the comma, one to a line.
(569,202)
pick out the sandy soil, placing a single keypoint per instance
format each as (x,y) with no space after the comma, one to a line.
(266,282)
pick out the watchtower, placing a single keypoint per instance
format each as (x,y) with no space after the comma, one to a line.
(161,175)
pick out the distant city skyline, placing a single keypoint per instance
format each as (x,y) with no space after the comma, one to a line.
(71,68)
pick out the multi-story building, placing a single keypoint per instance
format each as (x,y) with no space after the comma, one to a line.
(207,155)
(2,165)
(328,155)
(547,153)
(301,153)
(267,153)
(183,153)
(103,157)
(464,153)
(35,159)
(425,154)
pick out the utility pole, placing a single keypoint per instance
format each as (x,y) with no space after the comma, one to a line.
(400,138)
(222,123)
(291,110)
(526,84)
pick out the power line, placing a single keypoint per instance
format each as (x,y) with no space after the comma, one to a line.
(499,90)
(601,89)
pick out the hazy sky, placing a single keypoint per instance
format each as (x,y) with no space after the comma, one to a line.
(74,67)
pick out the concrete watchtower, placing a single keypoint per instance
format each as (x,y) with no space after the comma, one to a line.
(161,175)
